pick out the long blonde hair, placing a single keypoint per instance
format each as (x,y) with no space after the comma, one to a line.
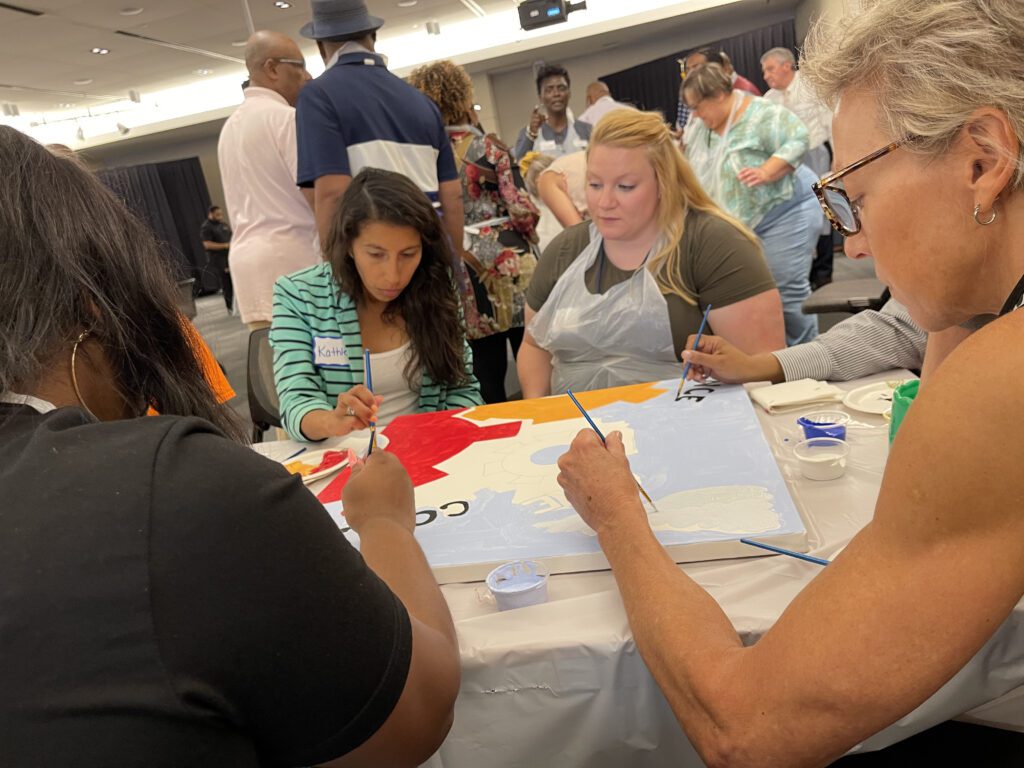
(678,189)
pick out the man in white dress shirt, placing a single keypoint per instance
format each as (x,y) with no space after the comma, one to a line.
(787,89)
(274,228)
(599,103)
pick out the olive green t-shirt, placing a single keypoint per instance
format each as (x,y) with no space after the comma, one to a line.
(719,265)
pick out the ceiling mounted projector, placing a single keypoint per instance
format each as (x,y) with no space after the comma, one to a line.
(534,14)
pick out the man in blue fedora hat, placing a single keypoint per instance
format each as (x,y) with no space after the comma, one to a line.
(358,114)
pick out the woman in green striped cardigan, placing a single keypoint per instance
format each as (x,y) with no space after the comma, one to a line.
(387,287)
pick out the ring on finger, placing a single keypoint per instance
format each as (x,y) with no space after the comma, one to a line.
(349,411)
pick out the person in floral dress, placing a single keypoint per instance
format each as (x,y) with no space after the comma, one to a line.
(500,243)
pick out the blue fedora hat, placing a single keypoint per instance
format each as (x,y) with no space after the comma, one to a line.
(338,18)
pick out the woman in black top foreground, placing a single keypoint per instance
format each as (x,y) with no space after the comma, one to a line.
(169,597)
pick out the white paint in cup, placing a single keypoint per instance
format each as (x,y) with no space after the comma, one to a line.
(822,458)
(518,584)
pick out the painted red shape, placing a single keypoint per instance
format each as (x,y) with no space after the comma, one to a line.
(421,441)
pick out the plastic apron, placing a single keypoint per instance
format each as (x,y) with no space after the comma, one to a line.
(606,340)
(706,162)
(572,143)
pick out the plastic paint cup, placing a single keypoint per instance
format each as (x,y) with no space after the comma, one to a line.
(822,458)
(902,397)
(824,424)
(518,584)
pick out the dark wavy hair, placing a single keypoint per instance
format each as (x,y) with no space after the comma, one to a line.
(74,258)
(429,305)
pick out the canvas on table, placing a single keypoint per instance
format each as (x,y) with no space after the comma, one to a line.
(486,491)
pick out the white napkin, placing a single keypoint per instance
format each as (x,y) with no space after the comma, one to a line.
(795,394)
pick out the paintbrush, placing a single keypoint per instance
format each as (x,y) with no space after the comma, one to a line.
(368,376)
(696,343)
(594,426)
(790,553)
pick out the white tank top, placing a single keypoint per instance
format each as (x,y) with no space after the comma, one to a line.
(389,382)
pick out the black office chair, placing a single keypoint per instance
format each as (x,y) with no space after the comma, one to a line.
(186,297)
(851,296)
(264,406)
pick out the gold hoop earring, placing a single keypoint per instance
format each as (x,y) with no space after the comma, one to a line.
(977,210)
(74,378)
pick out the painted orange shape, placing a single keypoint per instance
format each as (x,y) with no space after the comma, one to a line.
(560,408)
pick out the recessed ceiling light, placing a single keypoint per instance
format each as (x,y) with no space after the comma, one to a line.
(238,43)
(407,3)
(101,51)
(203,72)
(65,105)
(131,11)
(282,5)
(83,81)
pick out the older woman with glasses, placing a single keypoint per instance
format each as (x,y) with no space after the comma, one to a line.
(932,187)
(746,152)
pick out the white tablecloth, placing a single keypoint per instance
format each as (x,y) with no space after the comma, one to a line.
(562,684)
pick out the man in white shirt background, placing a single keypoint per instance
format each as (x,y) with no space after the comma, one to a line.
(274,226)
(787,89)
(599,103)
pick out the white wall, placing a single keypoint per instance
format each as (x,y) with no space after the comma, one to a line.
(515,92)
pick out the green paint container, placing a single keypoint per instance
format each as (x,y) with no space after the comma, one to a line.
(902,397)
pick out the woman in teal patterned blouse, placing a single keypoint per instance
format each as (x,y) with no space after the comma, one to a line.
(746,152)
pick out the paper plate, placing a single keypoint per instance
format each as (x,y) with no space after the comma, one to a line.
(873,398)
(313,459)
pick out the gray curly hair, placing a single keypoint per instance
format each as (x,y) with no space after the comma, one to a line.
(929,64)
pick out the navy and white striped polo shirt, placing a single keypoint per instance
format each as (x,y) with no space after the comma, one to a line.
(358,114)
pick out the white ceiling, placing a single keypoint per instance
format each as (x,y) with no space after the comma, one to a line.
(43,52)
(52,50)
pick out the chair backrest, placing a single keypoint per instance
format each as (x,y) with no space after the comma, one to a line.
(186,297)
(847,296)
(264,406)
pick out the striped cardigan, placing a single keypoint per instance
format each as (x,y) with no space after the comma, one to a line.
(309,304)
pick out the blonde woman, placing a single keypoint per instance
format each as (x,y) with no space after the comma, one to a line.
(930,183)
(613,300)
(563,188)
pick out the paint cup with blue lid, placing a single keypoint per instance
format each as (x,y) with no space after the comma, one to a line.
(824,424)
(518,584)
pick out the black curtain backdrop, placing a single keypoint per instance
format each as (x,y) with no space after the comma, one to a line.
(655,85)
(173,199)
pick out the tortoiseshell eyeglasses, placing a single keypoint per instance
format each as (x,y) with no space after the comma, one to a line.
(842,213)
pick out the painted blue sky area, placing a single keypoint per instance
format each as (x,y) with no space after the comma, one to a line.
(548,456)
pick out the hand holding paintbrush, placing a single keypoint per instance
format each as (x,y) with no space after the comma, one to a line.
(696,345)
(590,421)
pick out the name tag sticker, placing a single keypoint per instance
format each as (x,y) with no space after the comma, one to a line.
(544,144)
(329,352)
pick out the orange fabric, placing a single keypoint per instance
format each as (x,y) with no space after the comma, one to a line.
(211,369)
